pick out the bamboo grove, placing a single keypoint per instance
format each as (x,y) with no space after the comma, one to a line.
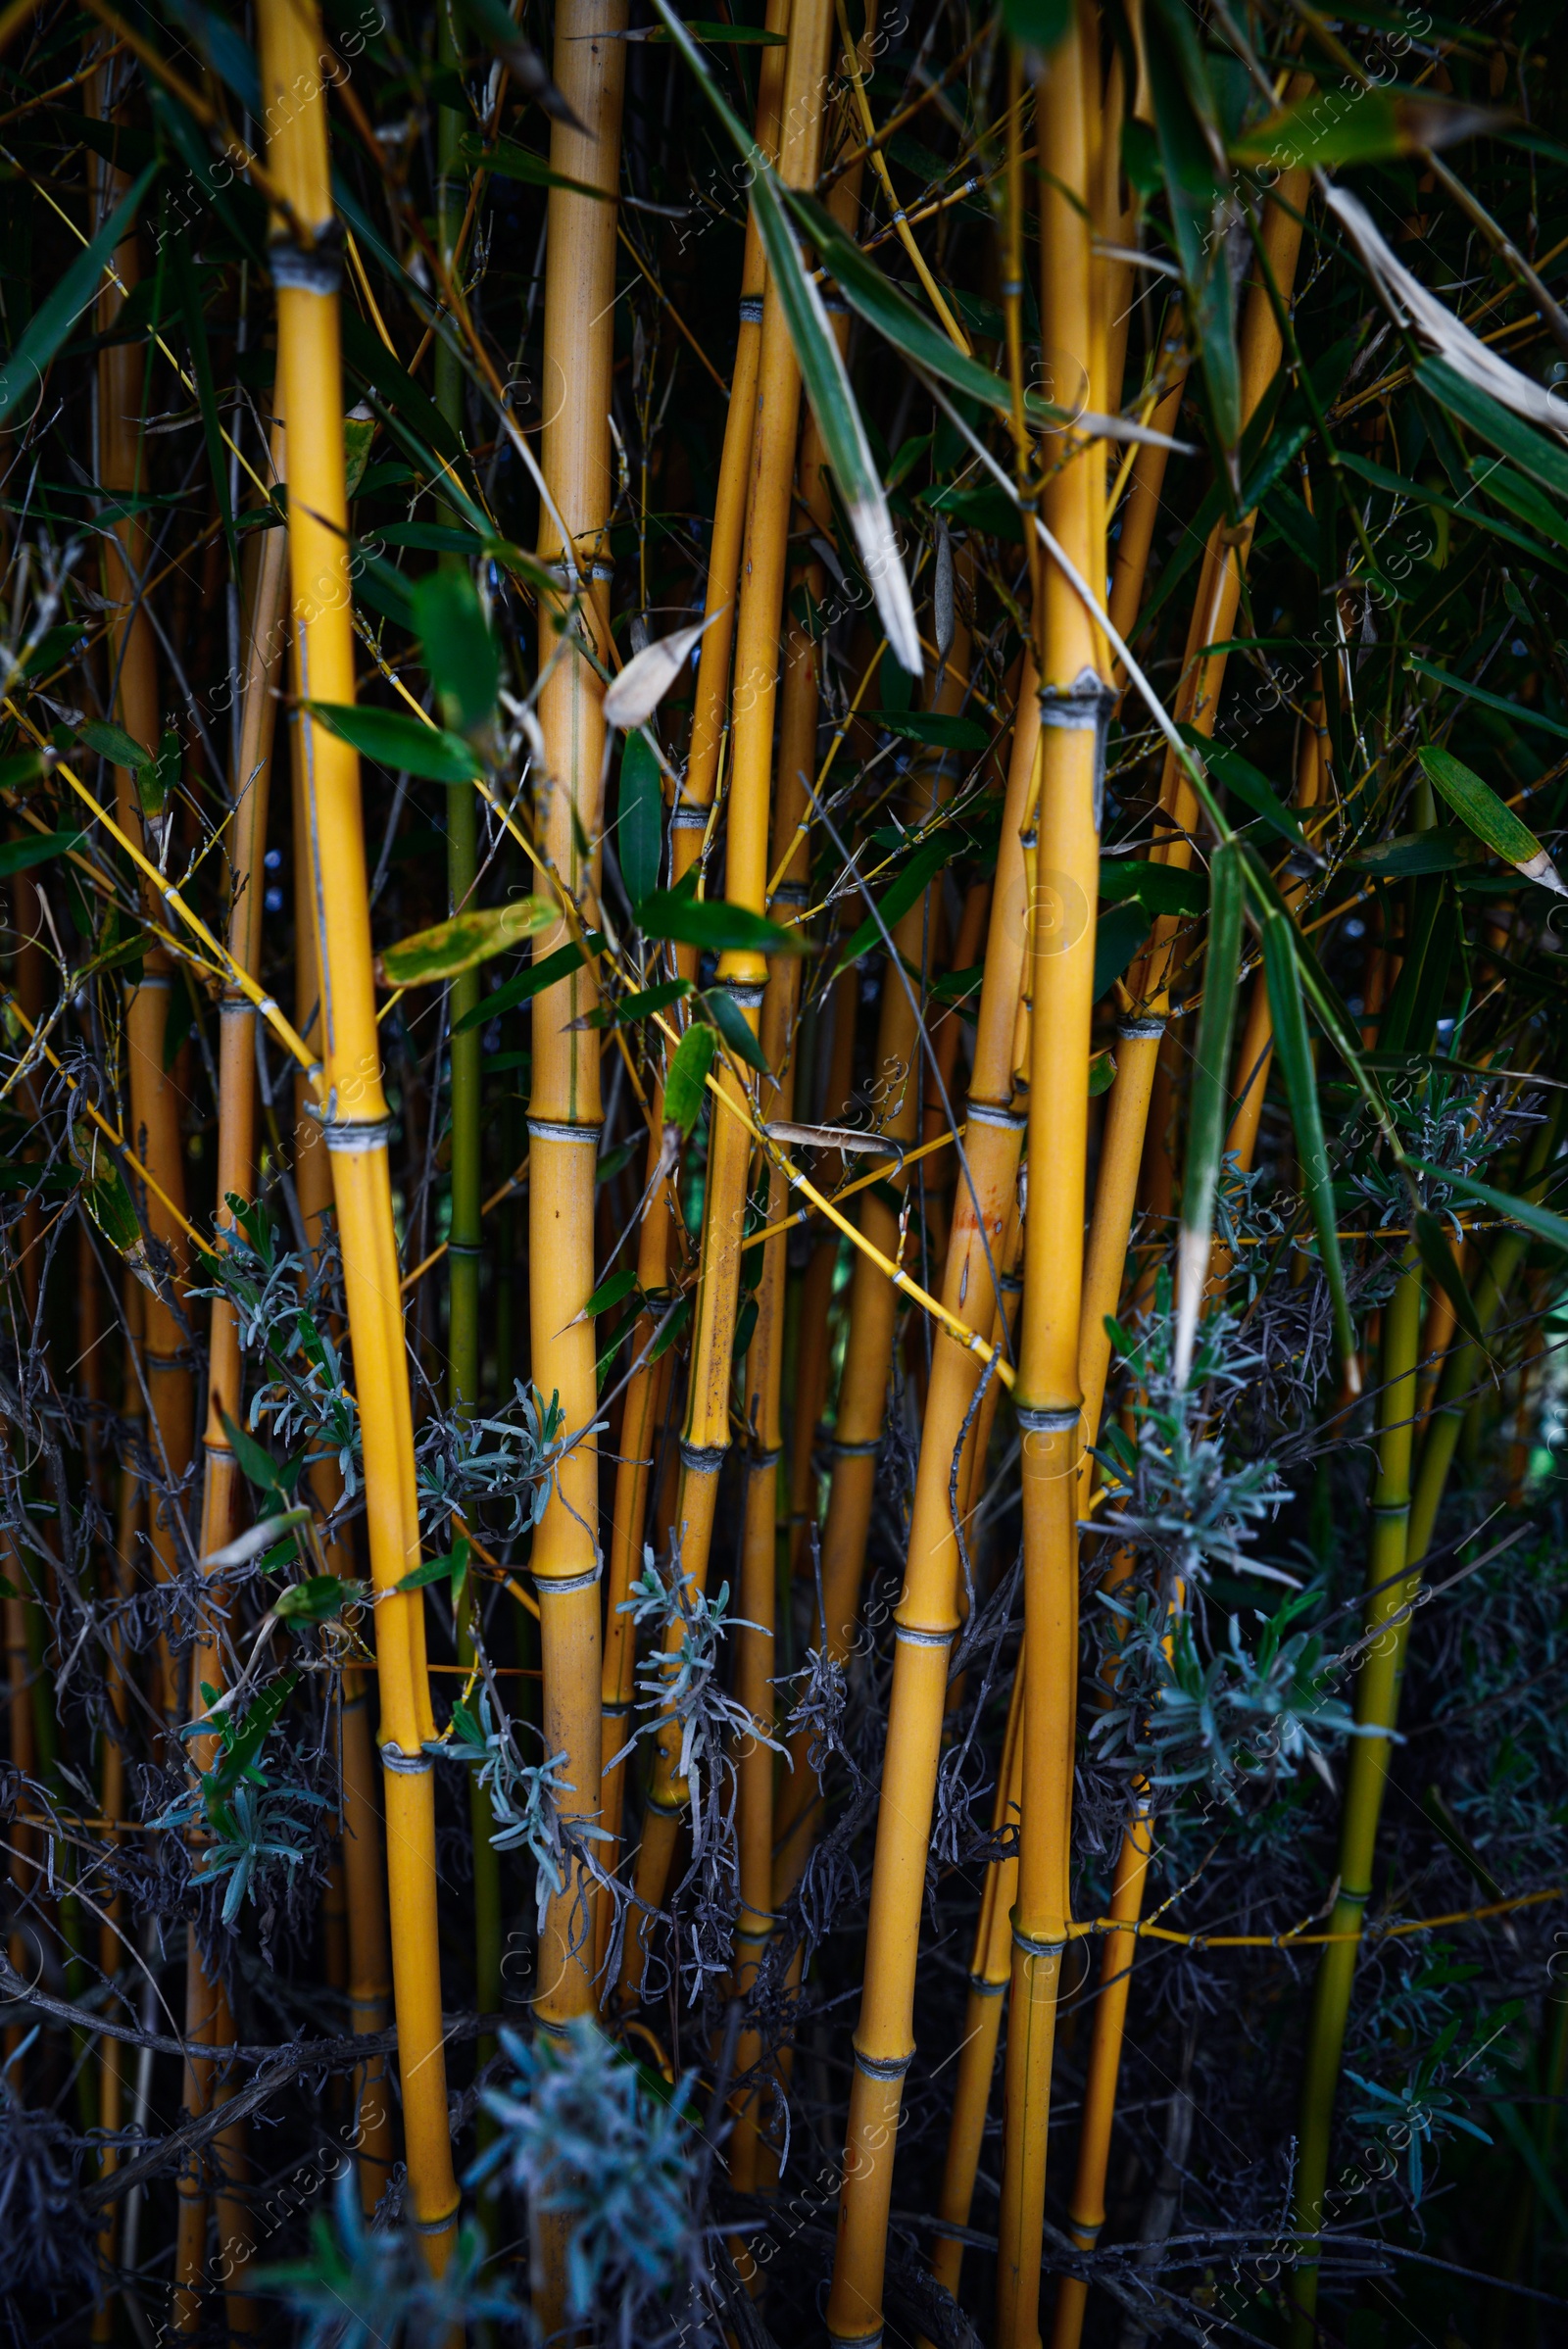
(781,1173)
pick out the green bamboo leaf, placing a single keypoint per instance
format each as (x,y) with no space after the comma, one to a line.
(1102,1074)
(1501,482)
(686,1084)
(464,940)
(188,287)
(22,374)
(1489,818)
(1439,1258)
(1240,778)
(452,1564)
(641,1005)
(609,1294)
(731,1022)
(21,770)
(1208,1114)
(1496,479)
(546,972)
(712,923)
(36,847)
(1538,1220)
(316,1598)
(459,651)
(1441,850)
(731,37)
(115,745)
(669,1329)
(512,162)
(256,1461)
(1518,713)
(919,337)
(1192,161)
(1542,458)
(400,742)
(1292,1053)
(1338,126)
(1036,25)
(640,831)
(928,860)
(822,372)
(1157,888)
(1118,935)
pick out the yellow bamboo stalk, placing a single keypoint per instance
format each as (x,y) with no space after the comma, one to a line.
(208,2019)
(989,1971)
(565,1115)
(900,1068)
(353,1111)
(1049,1392)
(927,1615)
(154,1100)
(363,1870)
(694,805)
(705,1437)
(647,1394)
(1138,1105)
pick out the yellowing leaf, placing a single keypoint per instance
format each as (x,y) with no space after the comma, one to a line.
(1490,818)
(468,939)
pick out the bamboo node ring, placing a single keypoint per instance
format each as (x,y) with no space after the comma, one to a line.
(408,1765)
(1087,703)
(436,2226)
(911,1636)
(1036,1944)
(317,270)
(1048,1423)
(1140,1031)
(989,1113)
(750,310)
(855,1448)
(547,1128)
(562,1585)
(347,1133)
(882,2067)
(703,1459)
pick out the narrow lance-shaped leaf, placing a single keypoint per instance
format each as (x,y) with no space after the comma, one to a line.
(823,371)
(1538,1220)
(457,945)
(1209,1098)
(640,828)
(873,294)
(687,1080)
(22,374)
(532,982)
(1439,1258)
(400,742)
(1292,1051)
(1490,818)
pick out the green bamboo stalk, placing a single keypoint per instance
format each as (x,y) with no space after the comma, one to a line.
(466,1239)
(1376,1711)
